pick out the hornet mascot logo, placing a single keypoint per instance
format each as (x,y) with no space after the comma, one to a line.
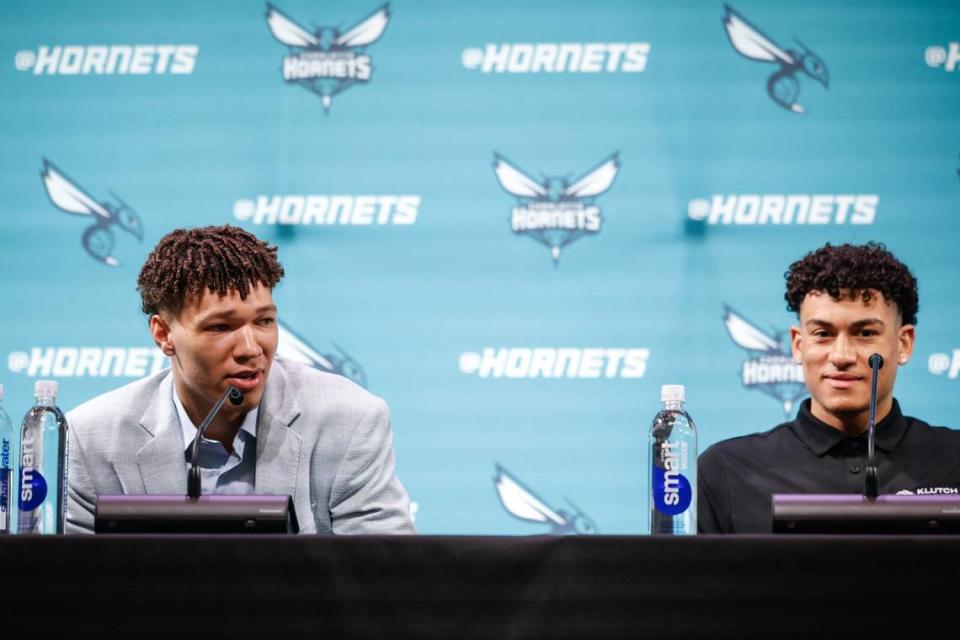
(293,347)
(783,86)
(770,367)
(327,61)
(524,504)
(98,238)
(555,211)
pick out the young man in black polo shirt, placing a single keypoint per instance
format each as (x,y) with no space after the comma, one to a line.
(851,302)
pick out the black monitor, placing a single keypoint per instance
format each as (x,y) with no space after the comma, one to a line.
(206,514)
(857,514)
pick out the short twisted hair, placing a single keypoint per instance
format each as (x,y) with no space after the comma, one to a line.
(853,271)
(187,262)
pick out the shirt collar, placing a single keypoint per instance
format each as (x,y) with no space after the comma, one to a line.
(821,437)
(189,430)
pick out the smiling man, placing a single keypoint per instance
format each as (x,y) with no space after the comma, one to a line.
(318,437)
(851,302)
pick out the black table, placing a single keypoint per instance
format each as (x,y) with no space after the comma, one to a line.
(478,587)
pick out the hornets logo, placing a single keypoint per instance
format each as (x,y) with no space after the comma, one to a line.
(98,239)
(327,61)
(556,211)
(783,87)
(293,347)
(769,367)
(523,503)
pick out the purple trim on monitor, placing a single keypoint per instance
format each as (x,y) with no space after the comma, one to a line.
(207,514)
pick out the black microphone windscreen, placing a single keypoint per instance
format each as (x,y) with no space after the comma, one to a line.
(877,357)
(236,396)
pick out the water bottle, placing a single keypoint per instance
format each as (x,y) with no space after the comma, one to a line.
(673,466)
(43,464)
(8,463)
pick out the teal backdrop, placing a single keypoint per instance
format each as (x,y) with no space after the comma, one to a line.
(513,221)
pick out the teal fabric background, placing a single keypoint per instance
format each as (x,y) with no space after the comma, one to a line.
(414,306)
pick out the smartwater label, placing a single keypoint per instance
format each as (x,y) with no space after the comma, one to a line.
(672,493)
(6,480)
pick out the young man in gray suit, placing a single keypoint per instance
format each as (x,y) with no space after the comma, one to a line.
(315,436)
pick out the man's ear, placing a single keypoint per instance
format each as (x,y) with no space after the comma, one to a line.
(906,337)
(795,337)
(160,330)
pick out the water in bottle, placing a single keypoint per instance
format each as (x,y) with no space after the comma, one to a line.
(43,464)
(8,465)
(673,466)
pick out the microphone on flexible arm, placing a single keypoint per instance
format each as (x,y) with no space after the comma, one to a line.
(868,512)
(193,513)
(193,479)
(871,476)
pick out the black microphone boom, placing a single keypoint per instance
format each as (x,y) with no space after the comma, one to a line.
(870,512)
(871,474)
(193,480)
(193,513)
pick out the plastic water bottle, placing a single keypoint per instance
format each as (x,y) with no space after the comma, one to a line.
(673,466)
(8,463)
(43,464)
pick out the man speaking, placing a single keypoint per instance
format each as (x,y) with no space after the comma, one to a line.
(315,436)
(851,302)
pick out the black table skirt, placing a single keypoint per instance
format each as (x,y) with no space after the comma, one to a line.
(478,587)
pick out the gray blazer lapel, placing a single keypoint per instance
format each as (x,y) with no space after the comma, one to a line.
(278,446)
(161,460)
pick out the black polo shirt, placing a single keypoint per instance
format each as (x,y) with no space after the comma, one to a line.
(737,478)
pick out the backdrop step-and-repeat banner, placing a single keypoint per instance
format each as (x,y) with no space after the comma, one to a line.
(513,221)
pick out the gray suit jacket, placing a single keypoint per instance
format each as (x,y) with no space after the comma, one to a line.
(320,438)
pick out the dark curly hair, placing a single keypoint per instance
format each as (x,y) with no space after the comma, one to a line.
(853,271)
(188,261)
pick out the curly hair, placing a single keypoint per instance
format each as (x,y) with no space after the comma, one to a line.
(186,262)
(851,272)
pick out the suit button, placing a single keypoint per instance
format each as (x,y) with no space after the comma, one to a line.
(854,469)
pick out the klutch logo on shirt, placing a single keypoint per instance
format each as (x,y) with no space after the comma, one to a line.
(98,238)
(929,491)
(783,86)
(327,61)
(521,502)
(293,347)
(137,60)
(769,367)
(556,211)
(558,57)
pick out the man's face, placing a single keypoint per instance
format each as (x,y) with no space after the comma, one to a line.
(215,342)
(834,341)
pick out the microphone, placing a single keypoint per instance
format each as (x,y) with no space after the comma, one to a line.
(193,479)
(871,476)
(193,513)
(868,512)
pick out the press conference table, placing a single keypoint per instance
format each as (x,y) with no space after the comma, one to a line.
(276,587)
